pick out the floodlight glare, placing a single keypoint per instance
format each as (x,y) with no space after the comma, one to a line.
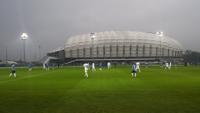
(24,36)
(92,35)
(161,34)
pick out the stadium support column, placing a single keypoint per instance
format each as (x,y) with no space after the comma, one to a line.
(163,52)
(70,53)
(91,55)
(143,50)
(168,53)
(150,53)
(137,47)
(130,50)
(103,51)
(84,55)
(156,51)
(123,50)
(117,50)
(97,48)
(110,50)
(77,52)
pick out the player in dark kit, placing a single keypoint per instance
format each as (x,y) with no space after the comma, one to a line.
(134,70)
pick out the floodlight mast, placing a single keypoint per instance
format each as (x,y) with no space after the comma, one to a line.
(6,55)
(92,37)
(24,37)
(160,35)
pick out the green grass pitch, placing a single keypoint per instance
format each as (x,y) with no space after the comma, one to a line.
(155,90)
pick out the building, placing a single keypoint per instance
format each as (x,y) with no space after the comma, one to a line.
(120,46)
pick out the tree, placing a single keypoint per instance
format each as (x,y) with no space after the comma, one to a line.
(192,57)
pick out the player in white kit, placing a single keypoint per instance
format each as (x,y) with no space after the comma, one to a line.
(166,65)
(93,67)
(86,68)
(109,65)
(100,66)
(138,66)
(170,65)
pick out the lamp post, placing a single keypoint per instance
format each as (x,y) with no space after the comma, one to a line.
(39,47)
(6,56)
(92,36)
(160,35)
(24,37)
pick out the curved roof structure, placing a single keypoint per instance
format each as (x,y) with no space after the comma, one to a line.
(129,39)
(122,36)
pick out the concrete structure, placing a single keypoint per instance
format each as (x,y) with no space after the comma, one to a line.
(121,45)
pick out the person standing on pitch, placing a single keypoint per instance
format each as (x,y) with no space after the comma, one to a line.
(138,66)
(134,71)
(170,65)
(86,68)
(93,67)
(166,65)
(47,67)
(30,67)
(108,65)
(44,66)
(100,66)
(13,71)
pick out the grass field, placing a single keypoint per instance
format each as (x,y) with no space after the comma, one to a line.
(109,91)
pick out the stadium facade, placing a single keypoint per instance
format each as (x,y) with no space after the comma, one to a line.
(119,46)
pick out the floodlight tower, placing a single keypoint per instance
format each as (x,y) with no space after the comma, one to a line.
(24,37)
(6,55)
(92,37)
(39,47)
(160,35)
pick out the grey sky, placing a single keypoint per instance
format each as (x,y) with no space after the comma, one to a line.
(50,22)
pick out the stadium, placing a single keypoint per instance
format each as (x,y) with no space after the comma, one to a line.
(118,46)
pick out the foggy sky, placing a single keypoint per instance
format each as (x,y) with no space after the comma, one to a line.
(50,22)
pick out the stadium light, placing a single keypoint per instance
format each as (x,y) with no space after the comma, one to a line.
(157,33)
(24,37)
(92,37)
(160,35)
